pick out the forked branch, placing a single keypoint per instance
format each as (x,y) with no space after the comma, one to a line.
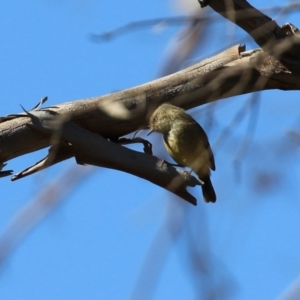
(88,127)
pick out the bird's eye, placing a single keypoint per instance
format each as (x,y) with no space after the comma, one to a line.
(155,119)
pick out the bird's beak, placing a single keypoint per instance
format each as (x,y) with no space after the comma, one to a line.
(150,131)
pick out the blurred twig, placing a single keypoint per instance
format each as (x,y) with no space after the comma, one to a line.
(188,231)
(252,122)
(291,7)
(38,208)
(292,292)
(157,22)
(158,252)
(229,129)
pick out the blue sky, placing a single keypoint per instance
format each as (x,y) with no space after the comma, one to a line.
(115,236)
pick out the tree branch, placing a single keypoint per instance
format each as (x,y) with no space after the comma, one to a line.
(91,148)
(229,73)
(87,127)
(281,42)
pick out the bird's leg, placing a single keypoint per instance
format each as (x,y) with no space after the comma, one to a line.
(187,174)
(147,145)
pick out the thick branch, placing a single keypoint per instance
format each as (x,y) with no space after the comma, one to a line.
(91,148)
(87,127)
(281,42)
(230,73)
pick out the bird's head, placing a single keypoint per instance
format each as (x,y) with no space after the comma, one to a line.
(161,119)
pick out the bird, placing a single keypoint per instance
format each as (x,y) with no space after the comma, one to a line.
(186,142)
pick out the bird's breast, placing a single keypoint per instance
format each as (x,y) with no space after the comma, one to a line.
(187,149)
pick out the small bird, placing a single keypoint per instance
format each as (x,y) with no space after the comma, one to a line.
(186,142)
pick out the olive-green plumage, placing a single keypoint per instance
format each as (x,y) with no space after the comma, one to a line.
(187,143)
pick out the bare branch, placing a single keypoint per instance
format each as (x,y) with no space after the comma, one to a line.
(86,128)
(179,20)
(112,116)
(265,31)
(91,148)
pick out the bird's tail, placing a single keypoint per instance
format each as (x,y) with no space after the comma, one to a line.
(208,190)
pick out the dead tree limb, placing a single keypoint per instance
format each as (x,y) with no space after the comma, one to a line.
(282,43)
(120,113)
(91,125)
